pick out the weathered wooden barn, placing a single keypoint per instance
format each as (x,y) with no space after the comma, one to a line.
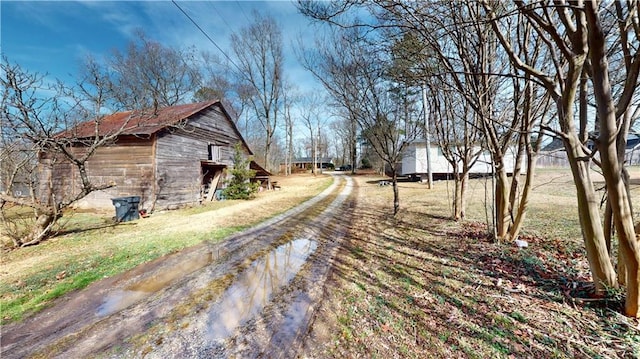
(173,157)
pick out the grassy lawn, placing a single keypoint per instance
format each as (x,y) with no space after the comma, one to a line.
(90,247)
(421,286)
(416,285)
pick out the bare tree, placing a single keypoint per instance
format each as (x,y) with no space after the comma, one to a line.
(288,101)
(458,138)
(341,129)
(462,48)
(469,56)
(218,83)
(259,52)
(215,84)
(467,52)
(42,119)
(35,113)
(311,117)
(578,46)
(322,60)
(566,48)
(356,75)
(150,75)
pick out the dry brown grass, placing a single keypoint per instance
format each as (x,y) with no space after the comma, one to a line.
(91,247)
(417,285)
(421,286)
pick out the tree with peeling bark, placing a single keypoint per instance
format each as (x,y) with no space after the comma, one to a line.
(579,48)
(468,53)
(464,48)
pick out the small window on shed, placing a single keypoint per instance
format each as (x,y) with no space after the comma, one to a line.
(214,153)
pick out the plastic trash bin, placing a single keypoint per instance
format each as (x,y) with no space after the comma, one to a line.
(126,208)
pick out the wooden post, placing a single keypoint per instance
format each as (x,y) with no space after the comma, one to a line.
(213,185)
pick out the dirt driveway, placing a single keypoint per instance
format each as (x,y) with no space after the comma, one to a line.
(248,296)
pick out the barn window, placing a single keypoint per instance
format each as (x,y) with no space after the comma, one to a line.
(214,153)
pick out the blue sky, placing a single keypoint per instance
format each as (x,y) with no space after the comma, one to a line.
(53,37)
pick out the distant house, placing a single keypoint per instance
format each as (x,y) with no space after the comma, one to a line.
(554,155)
(632,150)
(304,163)
(414,161)
(173,157)
(16,177)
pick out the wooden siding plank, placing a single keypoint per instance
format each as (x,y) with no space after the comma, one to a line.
(126,163)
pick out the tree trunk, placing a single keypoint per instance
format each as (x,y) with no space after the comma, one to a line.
(268,141)
(457,196)
(517,168)
(460,201)
(521,213)
(628,243)
(396,193)
(608,226)
(622,269)
(267,149)
(621,150)
(501,203)
(463,195)
(41,228)
(354,146)
(588,209)
(611,169)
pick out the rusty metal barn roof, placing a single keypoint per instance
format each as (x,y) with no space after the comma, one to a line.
(136,122)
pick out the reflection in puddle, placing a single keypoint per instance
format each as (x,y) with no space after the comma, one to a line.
(255,286)
(295,316)
(118,300)
(122,298)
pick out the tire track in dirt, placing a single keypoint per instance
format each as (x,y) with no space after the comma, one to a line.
(82,323)
(277,328)
(280,329)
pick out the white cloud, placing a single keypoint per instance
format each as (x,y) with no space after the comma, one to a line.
(78,29)
(122,15)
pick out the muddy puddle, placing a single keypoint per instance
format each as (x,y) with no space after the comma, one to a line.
(254,287)
(120,299)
